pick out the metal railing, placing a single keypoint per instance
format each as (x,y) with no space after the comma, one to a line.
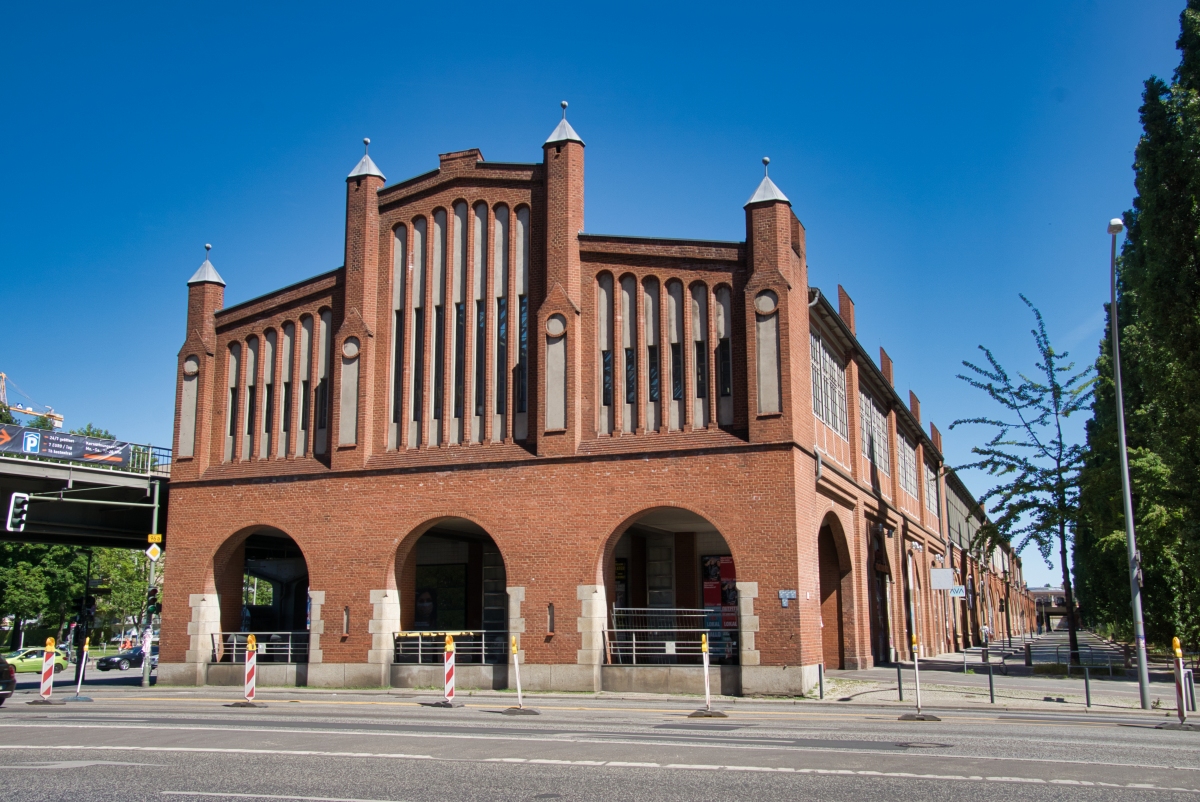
(144,460)
(668,636)
(273,647)
(480,647)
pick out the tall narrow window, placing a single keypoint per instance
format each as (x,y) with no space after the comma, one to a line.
(829,385)
(931,489)
(324,396)
(766,346)
(629,347)
(651,317)
(479,276)
(251,396)
(604,334)
(268,417)
(675,416)
(500,344)
(906,455)
(458,296)
(700,341)
(418,268)
(190,394)
(439,324)
(235,358)
(306,359)
(289,344)
(521,288)
(875,441)
(399,280)
(556,373)
(724,326)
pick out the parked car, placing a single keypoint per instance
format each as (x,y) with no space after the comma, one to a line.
(8,680)
(123,661)
(30,659)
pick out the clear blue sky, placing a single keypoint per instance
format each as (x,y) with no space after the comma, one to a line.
(943,156)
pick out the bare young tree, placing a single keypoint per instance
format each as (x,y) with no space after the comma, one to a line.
(1036,499)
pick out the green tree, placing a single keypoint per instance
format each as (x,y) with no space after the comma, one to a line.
(1037,498)
(6,415)
(94,431)
(1158,316)
(40,422)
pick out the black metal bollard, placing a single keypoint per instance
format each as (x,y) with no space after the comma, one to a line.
(1087,686)
(821,679)
(991,684)
(899,682)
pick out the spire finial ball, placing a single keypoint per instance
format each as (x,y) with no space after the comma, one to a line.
(207,248)
(766,161)
(564,107)
(366,142)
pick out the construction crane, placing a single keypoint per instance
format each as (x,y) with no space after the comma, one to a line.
(55,419)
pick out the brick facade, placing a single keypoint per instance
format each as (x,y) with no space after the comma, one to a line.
(794,499)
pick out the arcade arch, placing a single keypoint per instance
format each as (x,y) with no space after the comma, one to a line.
(261,579)
(451,580)
(670,575)
(837,590)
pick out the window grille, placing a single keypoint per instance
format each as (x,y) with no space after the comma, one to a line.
(874,433)
(907,458)
(829,386)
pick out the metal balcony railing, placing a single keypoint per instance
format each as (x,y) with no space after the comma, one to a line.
(668,636)
(480,647)
(273,647)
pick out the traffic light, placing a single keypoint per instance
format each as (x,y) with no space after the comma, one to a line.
(18,510)
(153,607)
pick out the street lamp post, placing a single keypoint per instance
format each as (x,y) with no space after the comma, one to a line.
(1115,227)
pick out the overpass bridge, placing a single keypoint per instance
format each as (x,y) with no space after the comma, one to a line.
(83,491)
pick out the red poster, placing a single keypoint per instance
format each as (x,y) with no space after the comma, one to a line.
(719,581)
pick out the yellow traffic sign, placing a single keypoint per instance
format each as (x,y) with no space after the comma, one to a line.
(154,552)
(154,538)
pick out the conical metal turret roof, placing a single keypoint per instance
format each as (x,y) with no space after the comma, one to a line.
(207,274)
(365,166)
(564,132)
(767,191)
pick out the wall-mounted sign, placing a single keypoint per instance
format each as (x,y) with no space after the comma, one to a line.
(941,578)
(785,596)
(958,592)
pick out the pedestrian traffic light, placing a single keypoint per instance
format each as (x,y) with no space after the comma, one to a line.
(152,605)
(18,509)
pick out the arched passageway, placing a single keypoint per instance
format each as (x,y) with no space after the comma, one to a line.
(832,574)
(262,587)
(880,597)
(452,581)
(670,577)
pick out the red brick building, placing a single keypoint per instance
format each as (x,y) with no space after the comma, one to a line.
(491,423)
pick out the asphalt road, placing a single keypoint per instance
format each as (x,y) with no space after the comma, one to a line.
(176,745)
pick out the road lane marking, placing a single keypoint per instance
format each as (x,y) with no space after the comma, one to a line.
(274,796)
(629,740)
(907,775)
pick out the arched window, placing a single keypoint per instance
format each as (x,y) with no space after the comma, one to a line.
(251,396)
(724,326)
(416,393)
(270,341)
(521,390)
(289,344)
(324,347)
(439,325)
(458,332)
(675,416)
(556,373)
(604,351)
(306,361)
(654,389)
(479,276)
(348,393)
(231,423)
(629,355)
(700,340)
(399,280)
(500,329)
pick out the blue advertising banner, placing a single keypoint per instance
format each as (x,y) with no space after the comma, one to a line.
(59,445)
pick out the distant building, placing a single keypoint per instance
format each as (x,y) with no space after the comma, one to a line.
(491,423)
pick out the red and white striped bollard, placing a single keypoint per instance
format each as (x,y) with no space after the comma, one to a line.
(48,670)
(450,669)
(251,666)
